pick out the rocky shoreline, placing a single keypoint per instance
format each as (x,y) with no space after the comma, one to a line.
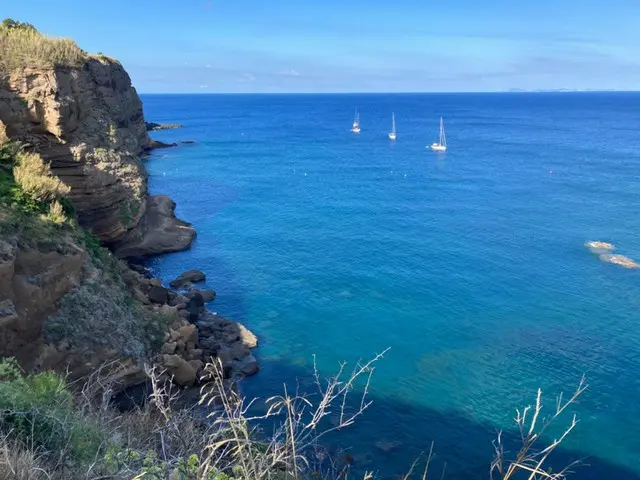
(68,304)
(196,335)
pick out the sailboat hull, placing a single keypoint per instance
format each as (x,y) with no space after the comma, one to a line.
(438,148)
(392,136)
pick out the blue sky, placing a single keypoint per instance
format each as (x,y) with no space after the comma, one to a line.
(354,45)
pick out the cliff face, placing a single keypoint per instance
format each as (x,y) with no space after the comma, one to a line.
(62,305)
(87,123)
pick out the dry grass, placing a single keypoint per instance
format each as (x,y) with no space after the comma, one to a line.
(531,460)
(162,442)
(35,178)
(18,463)
(20,48)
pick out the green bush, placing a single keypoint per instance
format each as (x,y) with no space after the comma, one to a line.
(35,179)
(38,410)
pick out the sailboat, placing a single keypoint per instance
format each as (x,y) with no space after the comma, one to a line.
(392,135)
(441,145)
(356,123)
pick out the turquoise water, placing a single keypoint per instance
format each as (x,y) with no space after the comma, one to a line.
(471,265)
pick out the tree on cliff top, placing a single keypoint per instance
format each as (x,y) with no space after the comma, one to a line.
(10,23)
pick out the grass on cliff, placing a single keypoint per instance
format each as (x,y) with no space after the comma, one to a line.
(22,46)
(32,200)
(48,430)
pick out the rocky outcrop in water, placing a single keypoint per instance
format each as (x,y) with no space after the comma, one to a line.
(159,231)
(152,126)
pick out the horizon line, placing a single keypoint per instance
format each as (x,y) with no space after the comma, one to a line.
(514,91)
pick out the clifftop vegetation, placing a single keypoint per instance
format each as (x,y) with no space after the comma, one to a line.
(21,45)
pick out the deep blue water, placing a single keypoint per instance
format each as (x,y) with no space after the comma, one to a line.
(470,265)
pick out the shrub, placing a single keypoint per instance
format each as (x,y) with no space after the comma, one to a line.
(22,46)
(38,410)
(34,178)
(56,213)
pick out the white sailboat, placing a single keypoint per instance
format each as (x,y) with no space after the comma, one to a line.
(355,128)
(392,135)
(441,145)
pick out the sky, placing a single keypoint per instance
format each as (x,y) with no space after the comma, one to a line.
(299,46)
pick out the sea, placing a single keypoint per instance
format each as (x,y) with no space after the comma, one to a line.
(469,266)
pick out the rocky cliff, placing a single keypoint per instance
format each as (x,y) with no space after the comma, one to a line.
(87,123)
(71,182)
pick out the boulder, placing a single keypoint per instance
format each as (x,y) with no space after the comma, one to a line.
(155,282)
(158,295)
(184,314)
(195,306)
(169,348)
(247,336)
(196,364)
(159,231)
(182,371)
(179,299)
(249,366)
(188,276)
(188,333)
(196,353)
(207,295)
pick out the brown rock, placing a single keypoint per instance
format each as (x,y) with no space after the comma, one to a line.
(188,276)
(158,232)
(249,366)
(195,353)
(196,364)
(158,294)
(169,348)
(31,283)
(183,373)
(87,123)
(179,299)
(188,333)
(207,295)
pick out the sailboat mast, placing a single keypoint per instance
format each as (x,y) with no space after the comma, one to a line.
(443,139)
(393,122)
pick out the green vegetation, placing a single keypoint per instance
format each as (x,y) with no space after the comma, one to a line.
(21,46)
(32,200)
(38,410)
